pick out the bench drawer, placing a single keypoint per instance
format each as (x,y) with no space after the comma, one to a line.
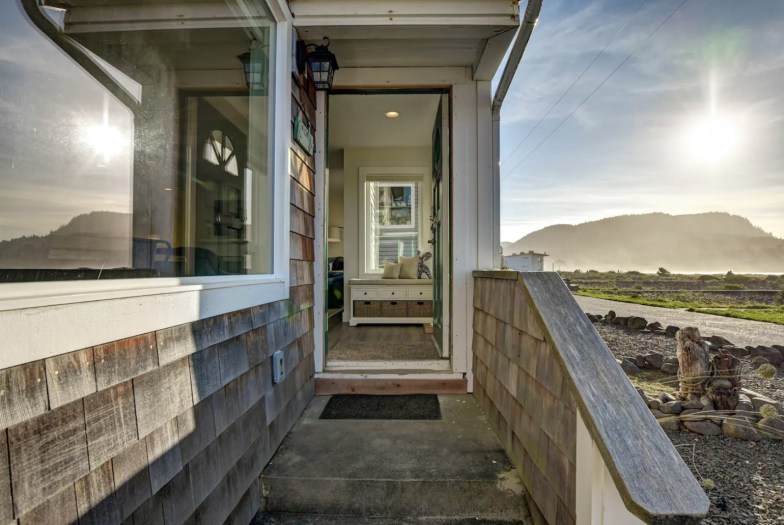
(393,293)
(364,293)
(420,292)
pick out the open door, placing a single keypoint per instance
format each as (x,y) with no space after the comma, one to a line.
(439,219)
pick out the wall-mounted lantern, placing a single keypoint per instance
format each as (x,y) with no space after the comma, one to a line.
(254,68)
(323,65)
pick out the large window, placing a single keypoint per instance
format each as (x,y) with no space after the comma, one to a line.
(135,145)
(393,219)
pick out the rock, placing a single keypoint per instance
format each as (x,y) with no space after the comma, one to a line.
(664,397)
(610,315)
(693,405)
(654,404)
(672,407)
(759,360)
(738,351)
(670,368)
(704,428)
(636,323)
(780,348)
(713,347)
(671,330)
(740,428)
(629,367)
(619,321)
(672,360)
(690,411)
(657,413)
(758,402)
(642,395)
(640,361)
(591,317)
(669,423)
(655,359)
(655,326)
(744,406)
(718,341)
(707,403)
(693,397)
(772,428)
(774,357)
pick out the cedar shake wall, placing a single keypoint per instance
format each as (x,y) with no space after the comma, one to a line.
(521,387)
(167,427)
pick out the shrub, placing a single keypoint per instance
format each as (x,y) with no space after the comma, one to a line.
(766,371)
(779,299)
(708,278)
(734,286)
(663,272)
(768,411)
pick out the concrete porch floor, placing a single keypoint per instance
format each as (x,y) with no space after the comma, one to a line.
(393,471)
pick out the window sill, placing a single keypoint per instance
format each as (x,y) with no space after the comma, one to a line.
(50,319)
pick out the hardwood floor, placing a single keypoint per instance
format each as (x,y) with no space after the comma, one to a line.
(380,342)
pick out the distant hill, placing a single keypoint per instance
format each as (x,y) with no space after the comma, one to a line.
(99,239)
(705,242)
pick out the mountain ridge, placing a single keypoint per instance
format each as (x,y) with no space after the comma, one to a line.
(702,242)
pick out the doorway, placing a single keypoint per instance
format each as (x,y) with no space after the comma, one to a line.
(387,219)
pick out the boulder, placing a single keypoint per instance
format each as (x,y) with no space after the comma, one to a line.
(740,428)
(757,361)
(655,359)
(657,413)
(772,428)
(636,323)
(704,428)
(780,348)
(670,368)
(774,357)
(655,326)
(669,423)
(654,404)
(718,341)
(707,403)
(673,360)
(610,315)
(672,407)
(693,405)
(591,317)
(738,351)
(690,411)
(664,397)
(639,360)
(758,402)
(629,367)
(619,321)
(671,330)
(744,406)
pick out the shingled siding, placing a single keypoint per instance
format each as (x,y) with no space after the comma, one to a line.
(168,427)
(520,385)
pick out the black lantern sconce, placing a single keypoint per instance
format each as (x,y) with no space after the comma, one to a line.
(255,72)
(322,62)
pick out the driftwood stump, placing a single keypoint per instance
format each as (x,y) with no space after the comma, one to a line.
(724,383)
(694,367)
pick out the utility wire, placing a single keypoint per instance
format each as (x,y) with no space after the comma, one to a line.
(619,66)
(576,80)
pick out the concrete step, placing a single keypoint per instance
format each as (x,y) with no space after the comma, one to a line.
(452,469)
(282,518)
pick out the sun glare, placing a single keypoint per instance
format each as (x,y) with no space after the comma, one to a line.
(713,139)
(106,141)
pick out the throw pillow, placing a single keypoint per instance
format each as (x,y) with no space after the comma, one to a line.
(409,267)
(423,270)
(391,271)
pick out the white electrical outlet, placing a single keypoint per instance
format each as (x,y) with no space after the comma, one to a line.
(278,367)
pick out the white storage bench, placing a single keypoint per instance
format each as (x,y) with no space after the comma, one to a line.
(390,301)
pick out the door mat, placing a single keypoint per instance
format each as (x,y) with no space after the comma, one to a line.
(411,407)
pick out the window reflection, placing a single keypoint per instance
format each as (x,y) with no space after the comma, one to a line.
(174,180)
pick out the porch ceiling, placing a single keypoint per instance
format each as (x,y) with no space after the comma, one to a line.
(411,33)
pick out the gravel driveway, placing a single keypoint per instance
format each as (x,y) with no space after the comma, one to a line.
(738,331)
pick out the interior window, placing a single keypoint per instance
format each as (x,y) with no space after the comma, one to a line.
(392,222)
(132,147)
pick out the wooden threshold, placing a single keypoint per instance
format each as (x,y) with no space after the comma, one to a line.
(326,386)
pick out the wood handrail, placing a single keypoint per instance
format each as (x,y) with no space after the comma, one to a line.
(652,479)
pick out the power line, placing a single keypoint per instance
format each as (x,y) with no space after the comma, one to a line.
(576,80)
(619,66)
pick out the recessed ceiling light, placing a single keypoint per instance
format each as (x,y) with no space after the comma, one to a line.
(392,114)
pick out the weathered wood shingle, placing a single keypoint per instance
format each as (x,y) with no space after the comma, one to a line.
(22,393)
(161,395)
(70,376)
(110,417)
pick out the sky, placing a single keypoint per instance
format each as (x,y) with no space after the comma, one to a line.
(686,118)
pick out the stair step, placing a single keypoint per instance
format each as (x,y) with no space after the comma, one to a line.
(400,471)
(285,518)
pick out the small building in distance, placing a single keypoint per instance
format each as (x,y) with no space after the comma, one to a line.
(526,262)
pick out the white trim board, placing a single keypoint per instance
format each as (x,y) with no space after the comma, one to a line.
(435,365)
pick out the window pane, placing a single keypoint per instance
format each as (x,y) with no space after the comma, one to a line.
(393,222)
(132,145)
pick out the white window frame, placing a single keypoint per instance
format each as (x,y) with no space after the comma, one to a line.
(43,319)
(389,175)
